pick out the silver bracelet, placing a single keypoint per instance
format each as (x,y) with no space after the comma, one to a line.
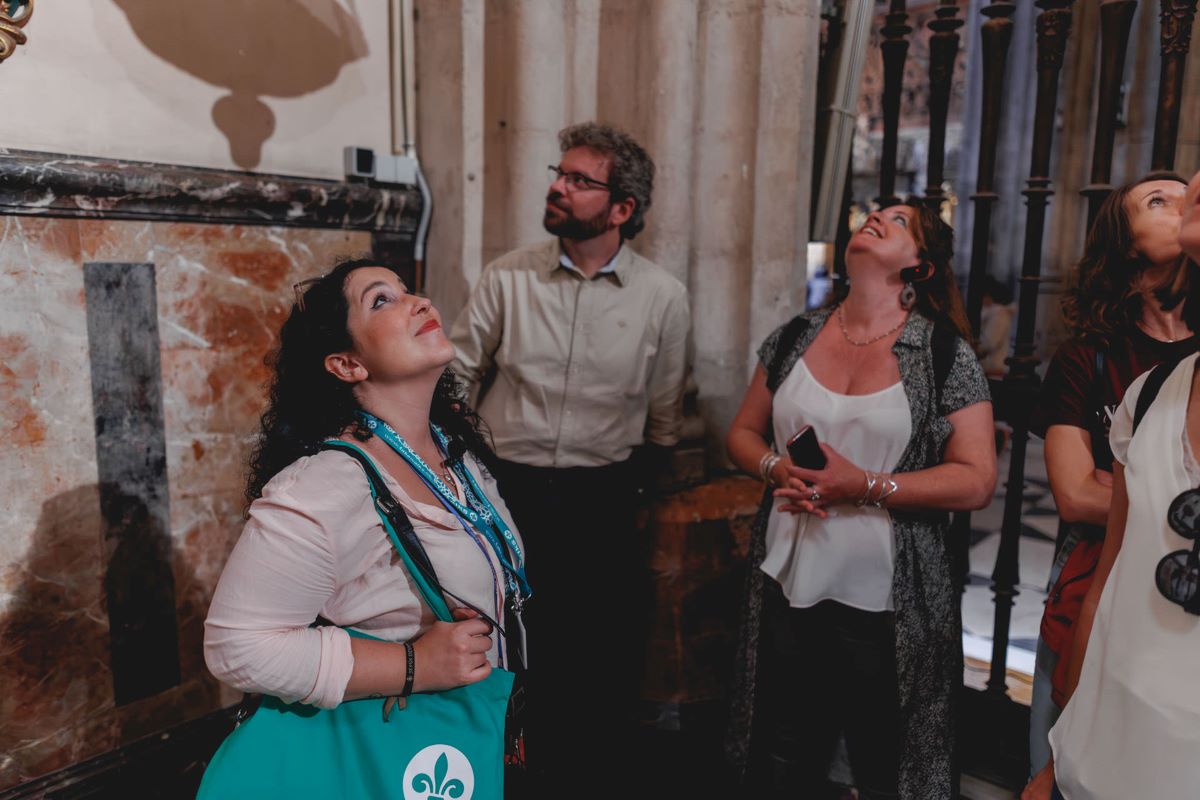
(766,464)
(872,479)
(887,490)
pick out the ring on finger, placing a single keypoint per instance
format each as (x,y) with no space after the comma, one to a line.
(814,496)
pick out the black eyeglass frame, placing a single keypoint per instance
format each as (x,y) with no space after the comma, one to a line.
(573,177)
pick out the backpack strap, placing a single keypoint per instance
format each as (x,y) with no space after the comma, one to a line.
(1158,376)
(944,344)
(404,538)
(787,342)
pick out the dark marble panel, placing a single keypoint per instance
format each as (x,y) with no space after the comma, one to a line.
(167,765)
(49,184)
(122,317)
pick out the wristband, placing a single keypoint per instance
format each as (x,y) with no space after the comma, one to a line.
(410,669)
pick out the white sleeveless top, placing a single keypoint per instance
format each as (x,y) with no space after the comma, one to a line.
(1132,728)
(849,556)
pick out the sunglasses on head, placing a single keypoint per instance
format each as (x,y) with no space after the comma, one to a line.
(1178,574)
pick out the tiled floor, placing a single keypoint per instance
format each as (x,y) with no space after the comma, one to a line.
(1039,525)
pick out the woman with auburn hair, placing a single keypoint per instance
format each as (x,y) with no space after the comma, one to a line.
(1125,314)
(848,554)
(1131,725)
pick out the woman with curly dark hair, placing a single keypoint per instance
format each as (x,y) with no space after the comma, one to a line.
(361,387)
(1126,309)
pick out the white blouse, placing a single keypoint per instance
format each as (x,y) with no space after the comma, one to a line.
(314,545)
(1132,727)
(848,557)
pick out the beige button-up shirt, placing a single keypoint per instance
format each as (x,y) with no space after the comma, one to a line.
(584,370)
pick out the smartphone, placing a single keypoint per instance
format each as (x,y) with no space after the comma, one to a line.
(805,450)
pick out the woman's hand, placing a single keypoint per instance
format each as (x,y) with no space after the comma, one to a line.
(814,490)
(1040,787)
(789,485)
(452,654)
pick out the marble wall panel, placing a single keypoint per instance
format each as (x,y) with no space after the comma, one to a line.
(222,292)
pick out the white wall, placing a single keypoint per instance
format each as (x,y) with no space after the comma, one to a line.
(158,80)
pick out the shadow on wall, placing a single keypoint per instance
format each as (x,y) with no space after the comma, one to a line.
(58,704)
(272,48)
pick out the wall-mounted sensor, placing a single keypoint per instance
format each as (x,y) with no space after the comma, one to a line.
(362,164)
(359,162)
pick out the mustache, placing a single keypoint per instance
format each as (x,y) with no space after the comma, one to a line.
(552,199)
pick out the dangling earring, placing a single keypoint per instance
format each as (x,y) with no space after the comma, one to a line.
(911,275)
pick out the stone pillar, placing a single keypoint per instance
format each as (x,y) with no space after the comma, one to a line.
(782,175)
(674,26)
(722,192)
(450,144)
(537,110)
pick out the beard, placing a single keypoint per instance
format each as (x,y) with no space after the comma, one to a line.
(571,227)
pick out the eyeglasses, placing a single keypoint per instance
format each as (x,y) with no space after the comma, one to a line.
(1178,573)
(577,181)
(300,288)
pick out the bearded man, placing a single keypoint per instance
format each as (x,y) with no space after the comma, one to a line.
(575,352)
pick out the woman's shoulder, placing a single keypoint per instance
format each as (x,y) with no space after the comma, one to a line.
(323,480)
(794,329)
(781,350)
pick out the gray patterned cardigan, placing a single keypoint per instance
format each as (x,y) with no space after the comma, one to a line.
(928,622)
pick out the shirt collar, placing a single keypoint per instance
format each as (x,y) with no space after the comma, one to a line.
(617,266)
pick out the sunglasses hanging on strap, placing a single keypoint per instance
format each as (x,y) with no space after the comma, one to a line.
(1177,575)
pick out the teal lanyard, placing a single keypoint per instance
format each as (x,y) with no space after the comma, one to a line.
(478,510)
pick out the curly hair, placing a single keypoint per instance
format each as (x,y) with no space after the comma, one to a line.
(307,405)
(631,172)
(938,298)
(1103,300)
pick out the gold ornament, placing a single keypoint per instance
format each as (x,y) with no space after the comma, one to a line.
(14,15)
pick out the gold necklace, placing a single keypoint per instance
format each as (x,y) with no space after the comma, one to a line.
(841,315)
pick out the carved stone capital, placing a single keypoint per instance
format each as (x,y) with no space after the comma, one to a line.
(14,15)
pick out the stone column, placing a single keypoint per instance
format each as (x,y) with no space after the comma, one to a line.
(450,144)
(671,90)
(782,175)
(723,208)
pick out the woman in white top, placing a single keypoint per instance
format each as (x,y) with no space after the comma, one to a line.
(314,550)
(853,554)
(1131,726)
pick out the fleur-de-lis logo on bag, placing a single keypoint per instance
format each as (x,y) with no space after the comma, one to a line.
(439,772)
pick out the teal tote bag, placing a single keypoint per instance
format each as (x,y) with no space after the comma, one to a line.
(439,746)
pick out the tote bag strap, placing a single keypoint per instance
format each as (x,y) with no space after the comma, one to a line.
(404,538)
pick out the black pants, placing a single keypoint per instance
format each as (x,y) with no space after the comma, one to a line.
(586,622)
(828,670)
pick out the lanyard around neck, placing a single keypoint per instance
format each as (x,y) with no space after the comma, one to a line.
(478,510)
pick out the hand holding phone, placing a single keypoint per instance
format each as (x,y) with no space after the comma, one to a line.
(805,450)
